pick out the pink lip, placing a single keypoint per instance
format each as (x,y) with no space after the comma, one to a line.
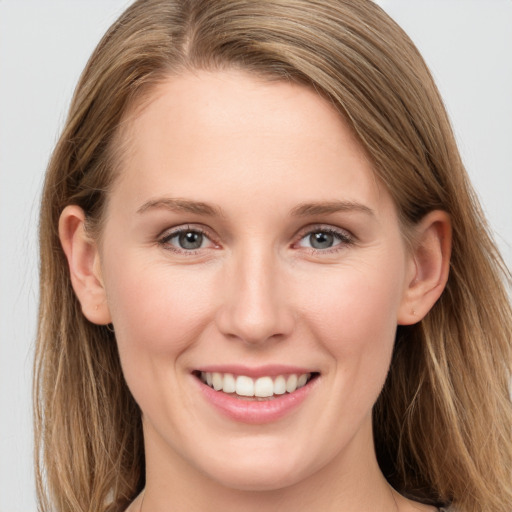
(252,411)
(271,370)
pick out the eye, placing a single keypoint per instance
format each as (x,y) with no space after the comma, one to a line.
(190,240)
(186,240)
(323,239)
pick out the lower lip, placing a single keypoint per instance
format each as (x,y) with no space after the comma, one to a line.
(252,411)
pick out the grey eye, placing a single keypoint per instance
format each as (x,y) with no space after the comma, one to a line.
(321,240)
(190,240)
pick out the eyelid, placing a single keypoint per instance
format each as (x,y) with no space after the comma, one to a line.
(345,237)
(169,233)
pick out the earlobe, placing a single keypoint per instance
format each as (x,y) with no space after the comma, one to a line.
(84,265)
(430,264)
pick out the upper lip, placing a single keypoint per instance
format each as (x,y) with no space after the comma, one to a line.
(269,370)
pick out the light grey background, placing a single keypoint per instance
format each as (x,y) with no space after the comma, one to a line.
(44,45)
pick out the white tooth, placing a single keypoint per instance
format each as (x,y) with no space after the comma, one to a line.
(302,380)
(217,381)
(291,383)
(244,386)
(280,385)
(209,378)
(264,387)
(229,385)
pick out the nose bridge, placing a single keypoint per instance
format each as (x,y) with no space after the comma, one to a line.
(255,307)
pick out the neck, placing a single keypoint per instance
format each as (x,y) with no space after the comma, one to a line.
(351,482)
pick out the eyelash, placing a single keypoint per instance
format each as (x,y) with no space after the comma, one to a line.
(164,241)
(343,237)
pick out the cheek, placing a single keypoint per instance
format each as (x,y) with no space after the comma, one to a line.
(158,313)
(350,300)
(156,310)
(356,322)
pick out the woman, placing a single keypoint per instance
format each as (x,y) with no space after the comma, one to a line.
(265,281)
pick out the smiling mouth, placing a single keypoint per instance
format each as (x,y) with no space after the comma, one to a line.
(260,389)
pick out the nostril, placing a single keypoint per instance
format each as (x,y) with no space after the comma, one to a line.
(253,309)
(255,327)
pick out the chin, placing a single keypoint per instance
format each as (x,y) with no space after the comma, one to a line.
(258,480)
(260,474)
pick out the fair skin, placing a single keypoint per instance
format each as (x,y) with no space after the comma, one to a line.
(248,235)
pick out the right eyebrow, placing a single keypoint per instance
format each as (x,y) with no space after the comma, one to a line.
(181,205)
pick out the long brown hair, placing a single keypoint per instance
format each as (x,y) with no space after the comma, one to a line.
(442,424)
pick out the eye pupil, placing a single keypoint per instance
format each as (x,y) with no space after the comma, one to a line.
(321,240)
(190,240)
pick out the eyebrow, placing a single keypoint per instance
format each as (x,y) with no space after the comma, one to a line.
(328,207)
(301,210)
(181,205)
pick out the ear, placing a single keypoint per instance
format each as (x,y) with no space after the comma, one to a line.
(84,265)
(429,264)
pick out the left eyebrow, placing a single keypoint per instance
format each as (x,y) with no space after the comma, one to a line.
(328,207)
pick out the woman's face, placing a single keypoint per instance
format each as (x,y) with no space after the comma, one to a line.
(248,243)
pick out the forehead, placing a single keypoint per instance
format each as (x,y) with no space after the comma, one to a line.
(234,134)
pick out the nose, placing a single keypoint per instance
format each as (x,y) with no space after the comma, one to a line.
(255,304)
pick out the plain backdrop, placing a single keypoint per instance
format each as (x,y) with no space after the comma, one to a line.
(44,44)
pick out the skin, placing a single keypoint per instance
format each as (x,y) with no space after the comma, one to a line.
(255,292)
